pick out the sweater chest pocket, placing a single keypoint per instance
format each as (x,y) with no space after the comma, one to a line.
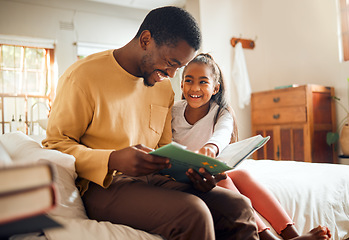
(157,119)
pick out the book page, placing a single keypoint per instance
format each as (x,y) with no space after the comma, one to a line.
(182,159)
(234,153)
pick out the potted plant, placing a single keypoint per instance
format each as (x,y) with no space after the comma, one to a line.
(342,133)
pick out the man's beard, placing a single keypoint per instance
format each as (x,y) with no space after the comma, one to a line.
(146,81)
(146,62)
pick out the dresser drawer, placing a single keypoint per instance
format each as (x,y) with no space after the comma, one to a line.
(279,115)
(279,98)
(297,120)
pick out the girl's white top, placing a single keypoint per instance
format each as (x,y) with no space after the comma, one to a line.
(203,131)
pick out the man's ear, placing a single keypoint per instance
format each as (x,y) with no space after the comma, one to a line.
(145,39)
(216,88)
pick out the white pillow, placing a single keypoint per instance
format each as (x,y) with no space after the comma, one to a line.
(5,158)
(70,211)
(23,149)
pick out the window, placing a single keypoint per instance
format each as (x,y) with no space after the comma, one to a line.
(344,15)
(26,85)
(24,70)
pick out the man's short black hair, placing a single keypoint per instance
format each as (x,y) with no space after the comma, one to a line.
(170,24)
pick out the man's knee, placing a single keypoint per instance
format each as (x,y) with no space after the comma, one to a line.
(196,209)
(243,201)
(237,205)
(193,220)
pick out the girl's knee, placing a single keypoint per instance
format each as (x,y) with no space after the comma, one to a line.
(239,174)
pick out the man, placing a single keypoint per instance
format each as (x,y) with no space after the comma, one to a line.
(111,109)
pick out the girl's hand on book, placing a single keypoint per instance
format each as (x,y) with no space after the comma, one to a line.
(209,150)
(204,181)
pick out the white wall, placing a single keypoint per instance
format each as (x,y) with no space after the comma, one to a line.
(297,42)
(92,23)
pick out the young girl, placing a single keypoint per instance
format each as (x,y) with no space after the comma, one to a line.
(204,121)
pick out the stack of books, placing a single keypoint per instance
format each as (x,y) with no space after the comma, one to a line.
(27,193)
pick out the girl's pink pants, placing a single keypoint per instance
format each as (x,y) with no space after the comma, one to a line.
(262,200)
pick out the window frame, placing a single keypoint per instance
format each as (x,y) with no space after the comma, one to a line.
(27,97)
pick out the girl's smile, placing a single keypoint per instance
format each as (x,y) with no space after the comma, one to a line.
(195,96)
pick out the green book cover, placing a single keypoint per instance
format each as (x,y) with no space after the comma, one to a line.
(182,159)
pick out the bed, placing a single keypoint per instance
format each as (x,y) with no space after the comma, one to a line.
(311,193)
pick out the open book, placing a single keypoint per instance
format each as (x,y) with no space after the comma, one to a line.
(182,159)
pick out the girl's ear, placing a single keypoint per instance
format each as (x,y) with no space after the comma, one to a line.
(144,39)
(216,88)
(182,84)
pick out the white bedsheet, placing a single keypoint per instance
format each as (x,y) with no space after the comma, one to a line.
(312,194)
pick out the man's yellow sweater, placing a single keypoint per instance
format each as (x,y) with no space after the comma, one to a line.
(99,108)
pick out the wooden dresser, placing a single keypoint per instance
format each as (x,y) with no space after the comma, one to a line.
(297,120)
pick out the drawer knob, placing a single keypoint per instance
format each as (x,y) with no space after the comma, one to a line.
(276,116)
(276,99)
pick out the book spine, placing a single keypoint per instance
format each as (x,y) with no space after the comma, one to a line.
(52,205)
(51,169)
